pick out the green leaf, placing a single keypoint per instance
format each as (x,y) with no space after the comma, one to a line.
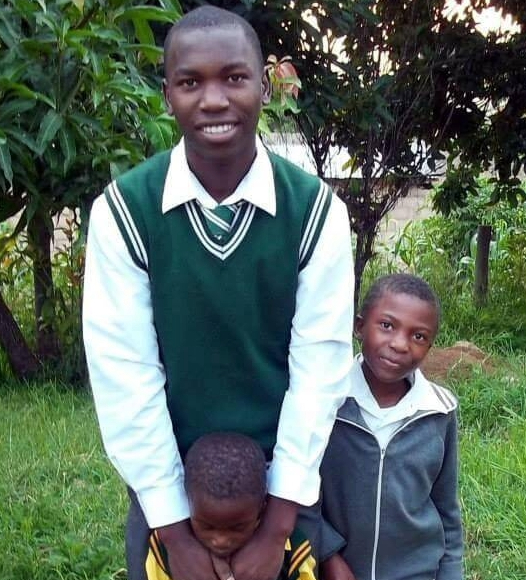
(96,97)
(350,165)
(143,31)
(160,132)
(153,53)
(85,121)
(149,13)
(100,32)
(9,36)
(263,126)
(17,134)
(51,123)
(24,91)
(172,5)
(68,146)
(11,109)
(5,162)
(79,4)
(96,63)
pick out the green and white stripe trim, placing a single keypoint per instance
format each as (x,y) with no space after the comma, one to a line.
(243,220)
(312,229)
(132,238)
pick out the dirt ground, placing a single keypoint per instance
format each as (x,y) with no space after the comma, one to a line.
(455,361)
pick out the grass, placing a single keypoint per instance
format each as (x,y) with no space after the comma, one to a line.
(493,494)
(488,403)
(64,506)
(493,471)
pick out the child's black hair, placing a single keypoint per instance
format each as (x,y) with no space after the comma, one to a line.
(211,16)
(226,466)
(400,284)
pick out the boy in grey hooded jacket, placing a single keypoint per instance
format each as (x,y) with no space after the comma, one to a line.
(390,471)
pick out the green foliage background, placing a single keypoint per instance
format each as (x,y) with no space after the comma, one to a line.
(442,250)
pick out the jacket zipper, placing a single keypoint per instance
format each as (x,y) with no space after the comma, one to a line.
(377,515)
(380,475)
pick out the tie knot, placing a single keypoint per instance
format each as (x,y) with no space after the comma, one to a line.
(225,212)
(222,218)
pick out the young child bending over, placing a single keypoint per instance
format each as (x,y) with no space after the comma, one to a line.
(226,484)
(389,475)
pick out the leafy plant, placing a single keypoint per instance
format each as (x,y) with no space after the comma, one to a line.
(79,103)
(441,250)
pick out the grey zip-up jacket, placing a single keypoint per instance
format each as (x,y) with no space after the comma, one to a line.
(396,508)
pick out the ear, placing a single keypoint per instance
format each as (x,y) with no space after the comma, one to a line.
(166,100)
(358,326)
(266,89)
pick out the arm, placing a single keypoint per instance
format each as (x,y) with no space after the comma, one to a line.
(335,568)
(445,497)
(319,361)
(328,542)
(127,379)
(262,557)
(332,564)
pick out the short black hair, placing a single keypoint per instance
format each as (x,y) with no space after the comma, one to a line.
(211,16)
(226,466)
(400,283)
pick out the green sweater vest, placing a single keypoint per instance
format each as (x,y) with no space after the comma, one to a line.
(223,323)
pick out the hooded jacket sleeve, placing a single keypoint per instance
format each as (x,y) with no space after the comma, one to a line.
(445,497)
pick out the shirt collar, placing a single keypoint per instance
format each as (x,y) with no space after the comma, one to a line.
(257,187)
(421,397)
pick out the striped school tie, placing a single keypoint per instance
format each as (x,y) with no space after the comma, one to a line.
(222,219)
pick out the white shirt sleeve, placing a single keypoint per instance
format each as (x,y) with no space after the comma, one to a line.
(126,374)
(320,359)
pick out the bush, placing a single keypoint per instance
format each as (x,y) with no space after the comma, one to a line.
(442,251)
(16,283)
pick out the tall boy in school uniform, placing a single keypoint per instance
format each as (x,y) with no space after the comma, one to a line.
(196,323)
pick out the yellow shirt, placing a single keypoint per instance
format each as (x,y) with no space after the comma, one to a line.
(298,563)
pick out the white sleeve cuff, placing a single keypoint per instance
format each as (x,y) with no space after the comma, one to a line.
(164,506)
(291,481)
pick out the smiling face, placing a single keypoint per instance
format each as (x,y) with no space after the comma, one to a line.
(396,333)
(223,526)
(215,88)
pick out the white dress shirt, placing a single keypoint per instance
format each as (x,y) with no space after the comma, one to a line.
(128,378)
(385,421)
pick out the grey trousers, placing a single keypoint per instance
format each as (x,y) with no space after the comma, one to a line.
(137,533)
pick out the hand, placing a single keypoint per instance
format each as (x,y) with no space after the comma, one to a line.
(261,558)
(187,558)
(335,568)
(222,568)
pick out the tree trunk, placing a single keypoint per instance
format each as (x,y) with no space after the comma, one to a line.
(39,235)
(480,289)
(364,252)
(21,360)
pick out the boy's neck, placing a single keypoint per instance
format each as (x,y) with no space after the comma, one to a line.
(386,394)
(390,395)
(220,178)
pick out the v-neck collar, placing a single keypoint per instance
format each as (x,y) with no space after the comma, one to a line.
(232,240)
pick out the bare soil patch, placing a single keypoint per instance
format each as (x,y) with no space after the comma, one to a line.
(457,361)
